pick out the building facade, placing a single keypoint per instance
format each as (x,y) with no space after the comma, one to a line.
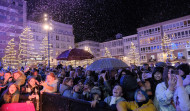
(114,47)
(61,38)
(150,39)
(12,17)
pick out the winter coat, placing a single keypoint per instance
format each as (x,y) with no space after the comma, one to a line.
(9,98)
(20,81)
(67,91)
(27,91)
(124,105)
(164,97)
(54,85)
(181,99)
(108,100)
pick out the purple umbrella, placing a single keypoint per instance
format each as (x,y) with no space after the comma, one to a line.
(75,54)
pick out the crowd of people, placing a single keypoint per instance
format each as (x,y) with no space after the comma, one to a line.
(159,87)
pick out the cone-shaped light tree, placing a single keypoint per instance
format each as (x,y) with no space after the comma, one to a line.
(133,55)
(107,53)
(44,49)
(10,58)
(26,47)
(166,48)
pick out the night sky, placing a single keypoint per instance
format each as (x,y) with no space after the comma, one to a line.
(101,20)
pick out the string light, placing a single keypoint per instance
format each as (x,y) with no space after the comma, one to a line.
(44,49)
(27,54)
(107,53)
(133,55)
(166,48)
(10,55)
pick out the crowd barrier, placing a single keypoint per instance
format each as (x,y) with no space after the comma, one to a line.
(56,102)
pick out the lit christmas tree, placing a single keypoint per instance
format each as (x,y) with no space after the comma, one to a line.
(44,49)
(133,55)
(87,49)
(166,48)
(10,58)
(107,53)
(26,47)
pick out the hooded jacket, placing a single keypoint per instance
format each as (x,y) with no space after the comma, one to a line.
(124,106)
(67,91)
(21,80)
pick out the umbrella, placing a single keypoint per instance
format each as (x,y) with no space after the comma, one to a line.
(106,64)
(75,54)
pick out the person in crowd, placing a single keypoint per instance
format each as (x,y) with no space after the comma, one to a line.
(116,97)
(129,84)
(135,71)
(79,76)
(72,74)
(69,68)
(90,76)
(141,103)
(36,75)
(151,83)
(19,78)
(177,64)
(66,88)
(10,95)
(146,72)
(113,77)
(59,66)
(30,92)
(184,72)
(86,95)
(104,84)
(170,94)
(50,85)
(7,79)
(151,67)
(60,77)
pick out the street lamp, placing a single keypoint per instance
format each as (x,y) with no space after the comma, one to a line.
(47,26)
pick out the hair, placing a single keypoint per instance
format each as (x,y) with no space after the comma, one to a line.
(29,80)
(185,68)
(8,72)
(120,86)
(165,74)
(66,80)
(52,75)
(145,64)
(157,69)
(143,92)
(19,72)
(7,90)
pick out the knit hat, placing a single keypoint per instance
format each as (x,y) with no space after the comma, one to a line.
(143,92)
(95,90)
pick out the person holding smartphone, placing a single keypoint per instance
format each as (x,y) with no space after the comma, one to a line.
(171,94)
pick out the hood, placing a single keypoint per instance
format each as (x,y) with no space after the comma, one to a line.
(143,92)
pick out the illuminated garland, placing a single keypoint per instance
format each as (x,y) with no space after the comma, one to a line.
(10,55)
(133,55)
(166,48)
(44,49)
(107,53)
(87,49)
(27,53)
